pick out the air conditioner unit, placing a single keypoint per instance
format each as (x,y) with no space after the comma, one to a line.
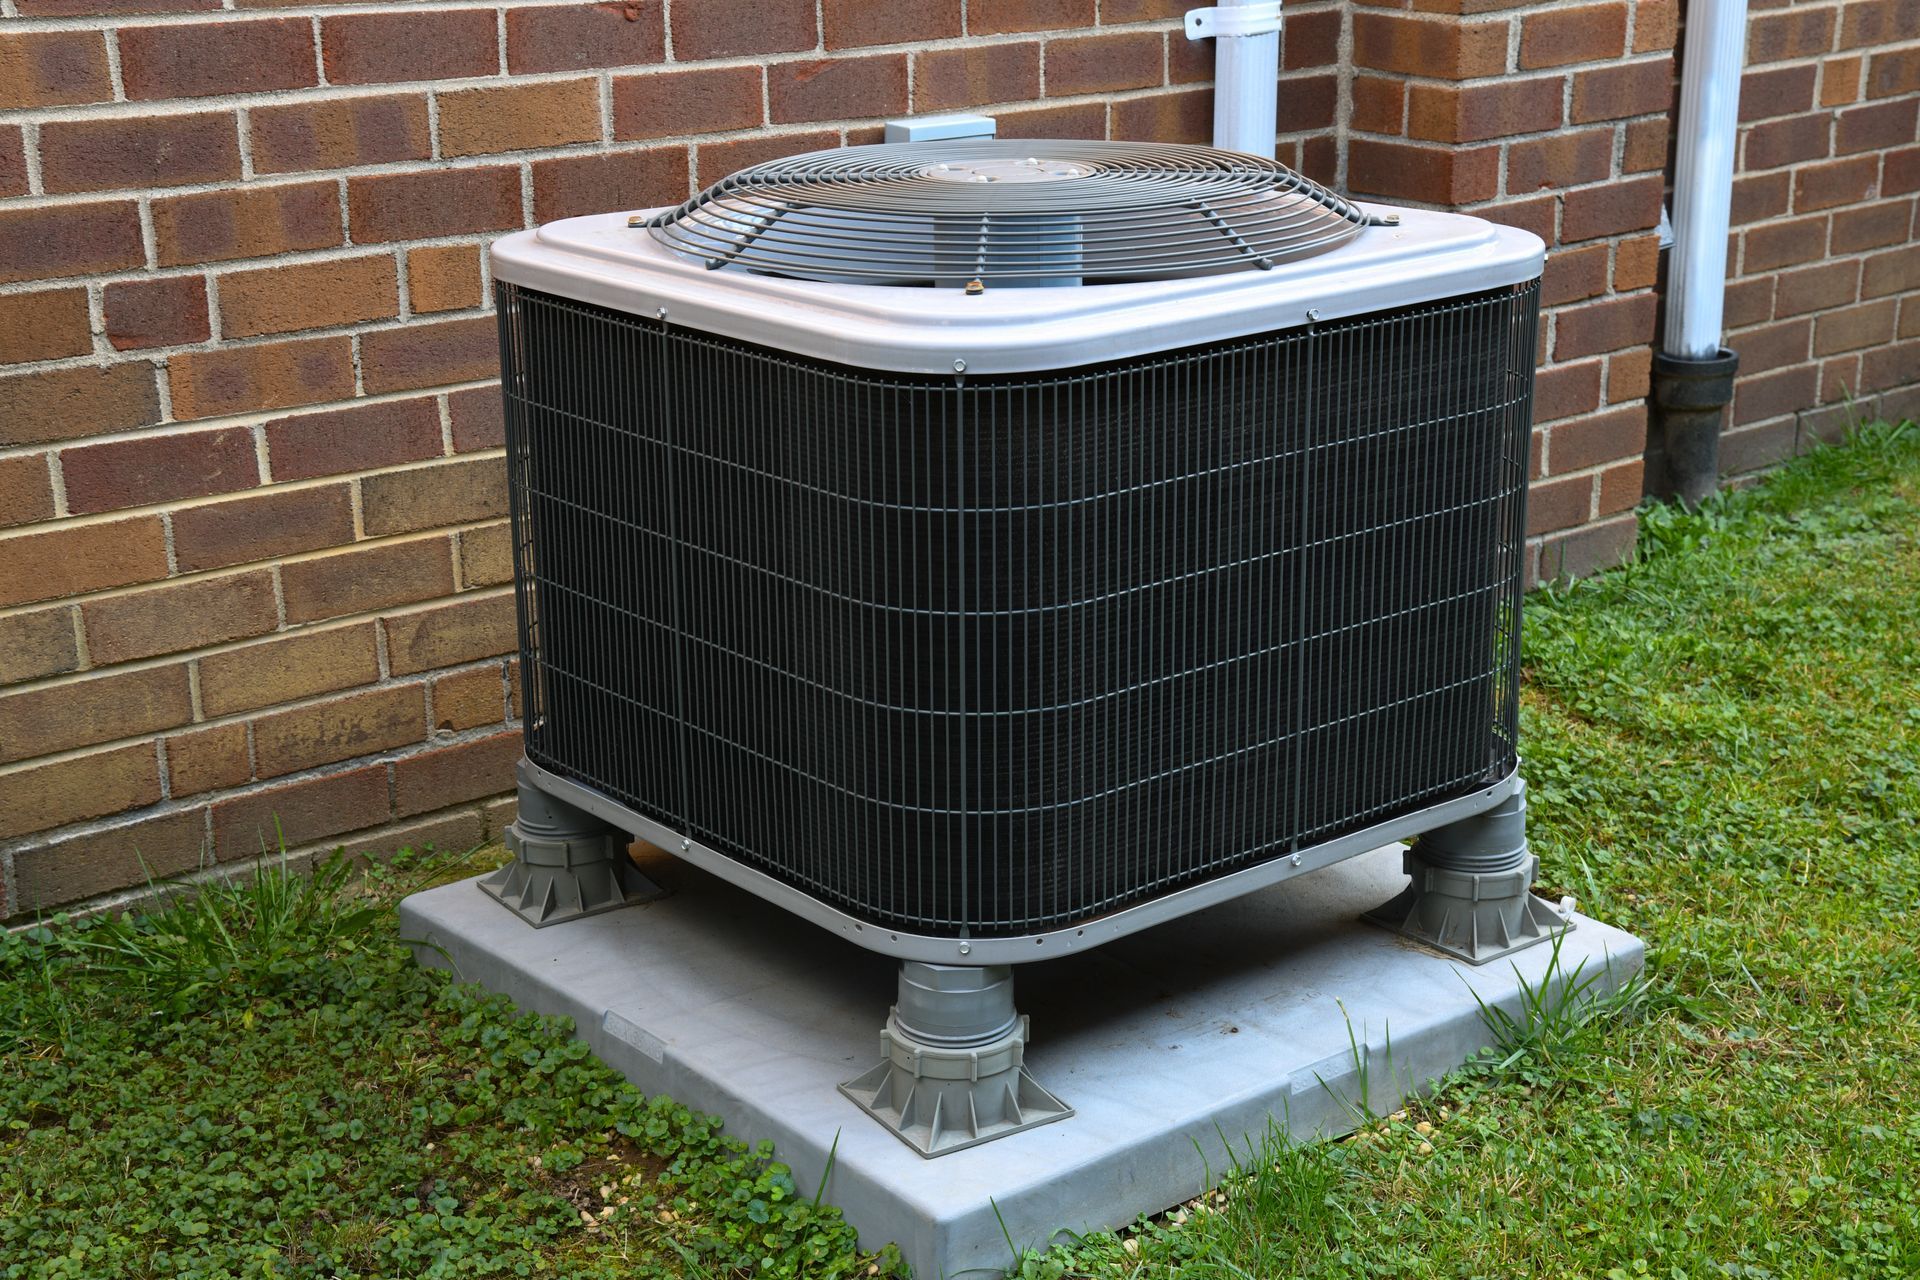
(986,549)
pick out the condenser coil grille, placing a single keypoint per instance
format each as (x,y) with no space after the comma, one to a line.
(1001,212)
(997,655)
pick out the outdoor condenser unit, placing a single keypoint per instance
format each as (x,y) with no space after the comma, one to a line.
(986,549)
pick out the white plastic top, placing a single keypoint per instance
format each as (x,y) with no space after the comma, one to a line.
(600,259)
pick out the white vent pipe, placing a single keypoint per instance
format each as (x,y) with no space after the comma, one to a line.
(1716,38)
(1246,71)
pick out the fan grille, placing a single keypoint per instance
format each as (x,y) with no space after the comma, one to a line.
(1009,212)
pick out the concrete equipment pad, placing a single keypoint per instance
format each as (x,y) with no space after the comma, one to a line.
(1169,1038)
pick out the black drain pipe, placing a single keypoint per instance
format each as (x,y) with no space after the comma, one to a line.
(1689,400)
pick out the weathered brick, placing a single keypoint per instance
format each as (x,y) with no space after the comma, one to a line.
(1473,113)
(1621,487)
(158,468)
(1105,63)
(180,616)
(1748,301)
(1629,374)
(1625,89)
(715,160)
(1900,175)
(1758,197)
(60,404)
(1871,226)
(1785,34)
(138,152)
(1777,91)
(340,729)
(283,669)
(1879,127)
(733,28)
(849,23)
(430,780)
(89,786)
(478,419)
(1312,101)
(1840,80)
(469,699)
(308,295)
(443,278)
(44,325)
(1573,33)
(26,489)
(1762,395)
(53,68)
(518,117)
(1785,244)
(446,635)
(458,492)
(1839,375)
(948,79)
(1603,326)
(53,564)
(165,311)
(359,438)
(249,222)
(1602,437)
(486,556)
(1632,204)
(1563,390)
(1443,48)
(264,527)
(1600,545)
(605,181)
(1874,22)
(1558,504)
(379,48)
(114,8)
(95,709)
(340,133)
(1560,160)
(1852,328)
(1636,263)
(1436,175)
(13,161)
(1775,346)
(299,813)
(429,354)
(1184,115)
(1893,72)
(657,104)
(1310,39)
(369,578)
(994,17)
(1573,275)
(57,872)
(1646,146)
(1837,182)
(579,37)
(1895,365)
(1379,104)
(268,375)
(433,203)
(1789,141)
(208,760)
(69,240)
(1894,271)
(837,88)
(202,59)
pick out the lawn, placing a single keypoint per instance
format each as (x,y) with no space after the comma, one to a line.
(1723,746)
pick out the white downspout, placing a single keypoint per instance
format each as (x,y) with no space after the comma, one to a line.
(1246,72)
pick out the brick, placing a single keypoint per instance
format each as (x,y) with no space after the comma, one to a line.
(1745,451)
(299,813)
(837,88)
(1558,504)
(1573,275)
(1452,113)
(1312,101)
(519,117)
(1896,271)
(459,492)
(446,635)
(1840,80)
(430,780)
(1185,115)
(114,8)
(1895,365)
(1785,244)
(1562,160)
(203,59)
(976,75)
(54,873)
(1563,390)
(1636,263)
(1894,72)
(1309,39)
(715,160)
(67,240)
(358,438)
(1656,25)
(702,100)
(1603,326)
(1748,301)
(1777,91)
(361,724)
(734,28)
(1588,550)
(994,17)
(1646,146)
(469,699)
(138,152)
(1072,120)
(252,222)
(13,161)
(271,375)
(339,134)
(429,354)
(308,295)
(1573,33)
(366,579)
(56,563)
(60,404)
(1625,89)
(1758,197)
(1445,176)
(1104,63)
(88,786)
(180,616)
(1632,204)
(166,311)
(433,203)
(283,669)
(1879,127)
(1852,328)
(606,181)
(379,48)
(1380,104)
(1900,174)
(849,23)
(53,68)
(1436,47)
(1621,487)
(264,527)
(1775,346)
(576,37)
(1873,22)
(208,760)
(1629,374)
(450,833)
(1759,395)
(443,278)
(26,490)
(1320,160)
(1536,214)
(1837,182)
(44,325)
(1871,226)
(478,418)
(1838,378)
(486,556)
(96,709)
(1789,33)
(158,468)
(1788,141)
(1603,437)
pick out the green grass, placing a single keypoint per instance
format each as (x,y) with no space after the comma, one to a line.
(1723,749)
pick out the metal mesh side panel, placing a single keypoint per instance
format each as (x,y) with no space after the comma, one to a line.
(1003,654)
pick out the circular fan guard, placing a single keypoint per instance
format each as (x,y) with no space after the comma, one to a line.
(976,213)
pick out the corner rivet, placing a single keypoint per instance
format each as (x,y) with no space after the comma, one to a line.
(1313,313)
(966,949)
(959,366)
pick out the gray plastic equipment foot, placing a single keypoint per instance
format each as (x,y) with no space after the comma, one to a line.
(566,864)
(951,1073)
(1471,895)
